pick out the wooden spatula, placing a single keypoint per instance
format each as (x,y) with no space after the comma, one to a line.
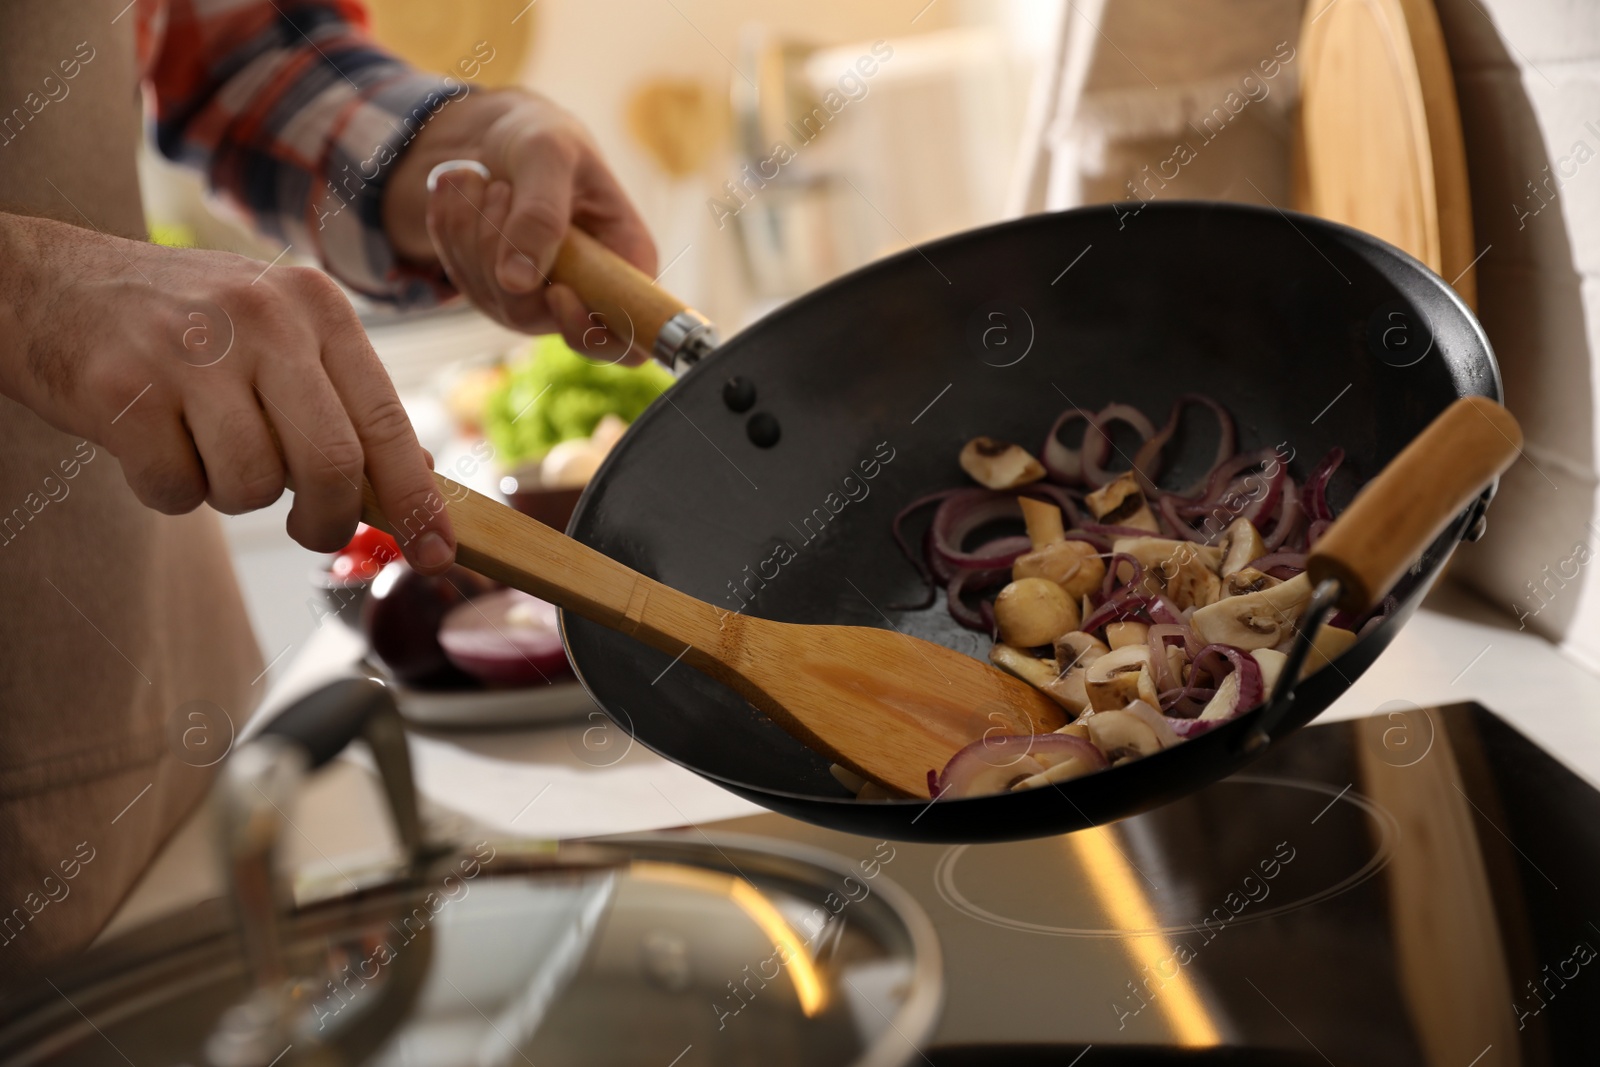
(888,706)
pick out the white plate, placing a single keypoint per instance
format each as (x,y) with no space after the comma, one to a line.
(535,705)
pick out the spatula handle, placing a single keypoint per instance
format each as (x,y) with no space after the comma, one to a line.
(630,304)
(1399,512)
(513,549)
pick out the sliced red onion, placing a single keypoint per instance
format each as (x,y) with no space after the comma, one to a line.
(1150,460)
(1111,582)
(1186,703)
(1160,636)
(1177,526)
(1224,473)
(965,511)
(1314,497)
(916,559)
(995,763)
(1315,531)
(1251,689)
(1291,562)
(505,638)
(1129,606)
(1124,607)
(1097,444)
(1289,515)
(1062,464)
(1188,728)
(1267,502)
(973,580)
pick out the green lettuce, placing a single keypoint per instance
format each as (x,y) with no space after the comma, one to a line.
(554,395)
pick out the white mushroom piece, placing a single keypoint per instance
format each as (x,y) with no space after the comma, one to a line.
(1131,732)
(1271,661)
(1329,644)
(1121,502)
(1241,544)
(1073,565)
(1064,686)
(1075,651)
(1254,620)
(996,464)
(1034,611)
(1078,649)
(1120,677)
(1186,572)
(1123,634)
(1247,580)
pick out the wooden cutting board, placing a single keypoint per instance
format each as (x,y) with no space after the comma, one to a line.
(1378,142)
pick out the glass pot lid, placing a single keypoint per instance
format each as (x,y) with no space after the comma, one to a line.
(652,950)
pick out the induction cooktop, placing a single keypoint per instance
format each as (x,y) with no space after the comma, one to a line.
(1421,886)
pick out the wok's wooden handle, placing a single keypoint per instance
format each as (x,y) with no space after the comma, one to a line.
(630,305)
(1399,513)
(501,543)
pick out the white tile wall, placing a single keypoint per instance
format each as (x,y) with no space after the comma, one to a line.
(1528,77)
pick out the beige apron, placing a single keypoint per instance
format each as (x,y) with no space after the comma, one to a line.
(122,630)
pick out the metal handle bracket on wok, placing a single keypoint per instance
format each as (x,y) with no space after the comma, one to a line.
(1392,521)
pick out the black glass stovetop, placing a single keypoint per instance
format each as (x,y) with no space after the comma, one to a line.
(1417,887)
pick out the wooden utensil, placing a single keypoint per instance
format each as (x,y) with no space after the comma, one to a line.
(1378,139)
(889,706)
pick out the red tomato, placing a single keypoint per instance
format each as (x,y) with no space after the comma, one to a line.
(372,543)
(368,552)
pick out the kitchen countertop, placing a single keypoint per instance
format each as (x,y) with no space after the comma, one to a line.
(1456,648)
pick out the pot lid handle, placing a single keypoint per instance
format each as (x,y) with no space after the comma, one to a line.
(258,784)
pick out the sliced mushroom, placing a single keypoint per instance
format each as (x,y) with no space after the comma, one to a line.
(1254,620)
(1194,585)
(1076,729)
(1221,705)
(1123,634)
(1056,772)
(1068,690)
(1247,580)
(1034,611)
(846,777)
(1043,521)
(1177,661)
(1120,735)
(1270,661)
(1120,677)
(1162,555)
(1078,649)
(1329,644)
(1031,669)
(1241,543)
(1073,565)
(1183,570)
(1157,722)
(1064,687)
(997,464)
(1121,503)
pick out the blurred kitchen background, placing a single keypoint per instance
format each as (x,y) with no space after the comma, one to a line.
(772,146)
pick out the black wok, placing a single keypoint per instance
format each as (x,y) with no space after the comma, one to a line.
(1311,333)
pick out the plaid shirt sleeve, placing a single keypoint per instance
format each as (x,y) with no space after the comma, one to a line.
(296,118)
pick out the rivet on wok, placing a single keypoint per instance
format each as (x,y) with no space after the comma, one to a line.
(739,394)
(763,430)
